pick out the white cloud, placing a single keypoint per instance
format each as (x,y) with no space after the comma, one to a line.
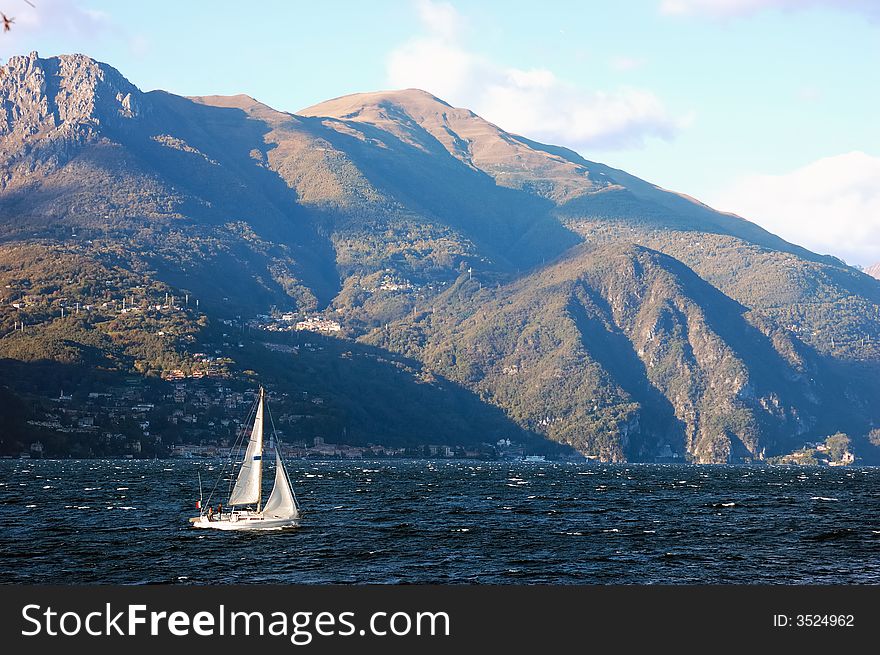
(534,102)
(729,8)
(542,107)
(49,17)
(57,16)
(831,206)
(441,18)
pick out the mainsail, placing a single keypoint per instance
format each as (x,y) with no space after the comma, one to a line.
(250,477)
(281,503)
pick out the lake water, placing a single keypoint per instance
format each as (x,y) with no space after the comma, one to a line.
(408,521)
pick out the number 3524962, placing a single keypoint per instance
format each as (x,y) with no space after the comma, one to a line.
(824,620)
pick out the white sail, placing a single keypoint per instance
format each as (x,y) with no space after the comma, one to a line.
(250,477)
(281,504)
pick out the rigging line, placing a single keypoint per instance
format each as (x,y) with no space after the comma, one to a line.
(278,453)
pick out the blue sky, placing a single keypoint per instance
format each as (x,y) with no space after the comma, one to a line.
(767,108)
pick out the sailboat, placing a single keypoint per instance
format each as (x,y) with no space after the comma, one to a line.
(246,510)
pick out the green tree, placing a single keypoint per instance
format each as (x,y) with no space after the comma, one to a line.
(838,444)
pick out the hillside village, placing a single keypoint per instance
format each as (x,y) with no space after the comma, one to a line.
(190,394)
(198,418)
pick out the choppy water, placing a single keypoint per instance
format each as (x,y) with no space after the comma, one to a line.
(404,521)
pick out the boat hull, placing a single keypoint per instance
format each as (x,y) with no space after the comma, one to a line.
(244,521)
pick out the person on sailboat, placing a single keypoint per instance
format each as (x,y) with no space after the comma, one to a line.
(210,513)
(219,511)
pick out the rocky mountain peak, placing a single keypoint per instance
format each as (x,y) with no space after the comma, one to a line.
(874,271)
(63,92)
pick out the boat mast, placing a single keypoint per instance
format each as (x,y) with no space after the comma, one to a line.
(262,450)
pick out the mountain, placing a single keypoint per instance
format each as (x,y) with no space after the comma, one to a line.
(874,271)
(489,284)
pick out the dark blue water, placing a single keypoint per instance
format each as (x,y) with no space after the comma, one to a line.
(404,521)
